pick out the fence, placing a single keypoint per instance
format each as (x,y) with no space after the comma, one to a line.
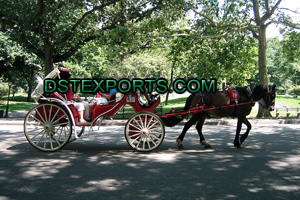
(288,112)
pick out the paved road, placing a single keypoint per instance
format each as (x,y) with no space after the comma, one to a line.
(104,167)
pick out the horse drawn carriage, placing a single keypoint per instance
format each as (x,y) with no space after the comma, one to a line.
(53,123)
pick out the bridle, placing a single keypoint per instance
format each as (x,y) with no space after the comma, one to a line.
(268,101)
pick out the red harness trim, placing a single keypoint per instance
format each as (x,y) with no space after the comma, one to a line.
(200,109)
(232,95)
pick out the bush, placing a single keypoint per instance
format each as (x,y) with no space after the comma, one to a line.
(3,89)
(295,90)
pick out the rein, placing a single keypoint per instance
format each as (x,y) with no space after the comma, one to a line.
(203,108)
(200,109)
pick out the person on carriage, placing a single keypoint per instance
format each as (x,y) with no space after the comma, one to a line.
(107,97)
(71,98)
(149,95)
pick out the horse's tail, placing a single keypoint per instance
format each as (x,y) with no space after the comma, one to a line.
(188,102)
(173,121)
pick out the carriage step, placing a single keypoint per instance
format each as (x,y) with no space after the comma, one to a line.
(83,123)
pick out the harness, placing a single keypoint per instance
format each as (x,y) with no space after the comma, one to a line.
(234,95)
(234,99)
(267,105)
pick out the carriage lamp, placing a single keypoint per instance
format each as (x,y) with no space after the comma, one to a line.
(7,105)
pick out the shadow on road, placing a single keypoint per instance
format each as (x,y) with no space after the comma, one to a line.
(103,166)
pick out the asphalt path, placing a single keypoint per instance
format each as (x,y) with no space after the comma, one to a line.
(103,166)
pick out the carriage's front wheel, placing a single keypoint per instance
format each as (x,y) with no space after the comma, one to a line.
(144,131)
(47,127)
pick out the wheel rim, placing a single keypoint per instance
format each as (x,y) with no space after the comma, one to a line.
(144,131)
(47,127)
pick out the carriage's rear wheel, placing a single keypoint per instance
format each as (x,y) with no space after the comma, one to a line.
(144,131)
(47,127)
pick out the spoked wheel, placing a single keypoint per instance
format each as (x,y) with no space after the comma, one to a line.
(47,127)
(144,131)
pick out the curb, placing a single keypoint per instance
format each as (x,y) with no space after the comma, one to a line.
(20,121)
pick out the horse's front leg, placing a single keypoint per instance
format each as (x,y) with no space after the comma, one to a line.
(237,143)
(245,135)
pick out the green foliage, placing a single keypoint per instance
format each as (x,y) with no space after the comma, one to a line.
(295,90)
(282,72)
(55,30)
(17,65)
(98,62)
(232,58)
(291,47)
(132,38)
(227,55)
(3,88)
(147,64)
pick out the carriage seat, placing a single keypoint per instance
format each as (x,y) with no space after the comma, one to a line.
(103,101)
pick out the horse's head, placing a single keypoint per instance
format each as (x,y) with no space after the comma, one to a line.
(268,100)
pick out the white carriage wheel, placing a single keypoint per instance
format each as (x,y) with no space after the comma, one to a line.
(47,127)
(144,131)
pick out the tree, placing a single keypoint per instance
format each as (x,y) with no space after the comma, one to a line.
(281,71)
(18,66)
(266,14)
(291,49)
(215,20)
(55,30)
(220,46)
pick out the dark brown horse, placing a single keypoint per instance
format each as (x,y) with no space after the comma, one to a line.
(265,95)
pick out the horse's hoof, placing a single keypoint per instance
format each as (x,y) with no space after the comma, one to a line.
(238,146)
(205,144)
(179,143)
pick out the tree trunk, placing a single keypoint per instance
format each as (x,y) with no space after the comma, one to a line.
(48,61)
(171,82)
(30,85)
(262,61)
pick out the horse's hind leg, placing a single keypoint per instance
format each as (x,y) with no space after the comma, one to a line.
(245,135)
(186,127)
(237,142)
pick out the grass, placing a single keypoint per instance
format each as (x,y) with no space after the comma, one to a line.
(174,103)
(17,104)
(288,101)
